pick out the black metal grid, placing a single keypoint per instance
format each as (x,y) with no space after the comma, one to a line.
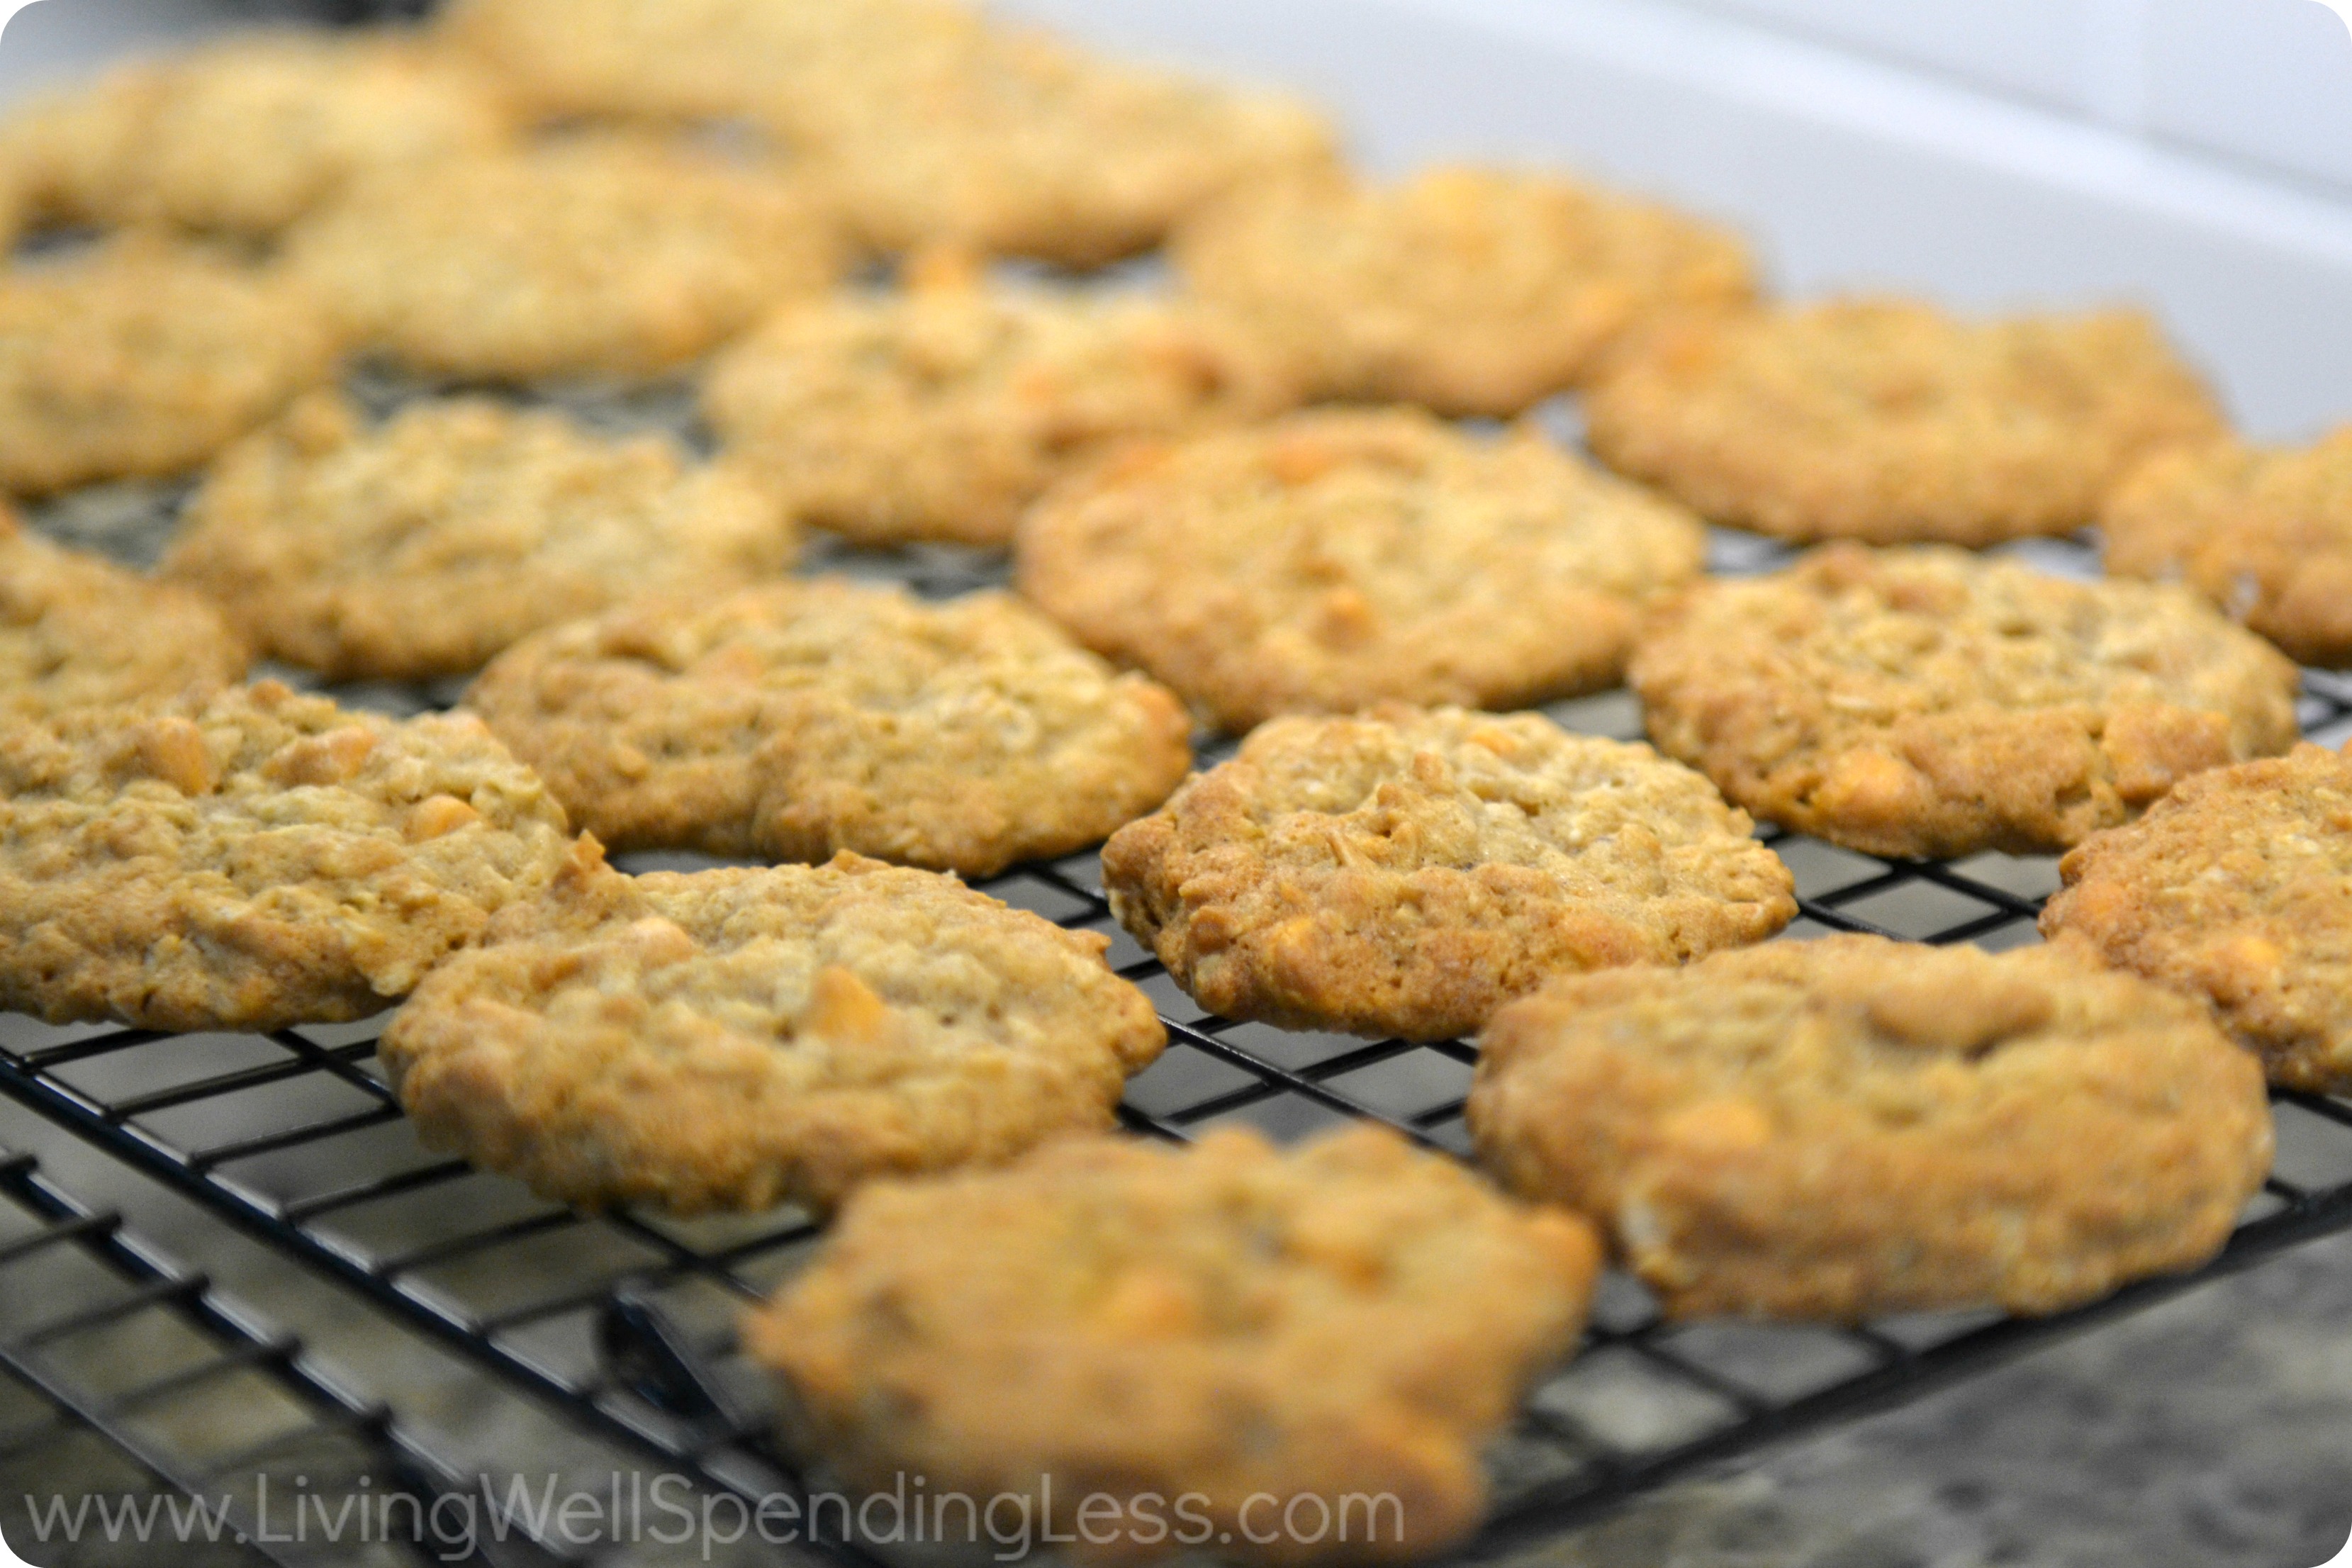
(622,1320)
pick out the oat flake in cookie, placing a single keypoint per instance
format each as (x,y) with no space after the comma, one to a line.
(1849,1128)
(253,860)
(1351,1320)
(1407,872)
(1927,703)
(2236,888)
(1333,560)
(807,717)
(738,1038)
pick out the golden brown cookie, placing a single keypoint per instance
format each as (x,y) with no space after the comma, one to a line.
(1927,703)
(594,254)
(78,631)
(2236,888)
(1410,871)
(740,1039)
(1346,1322)
(426,546)
(1891,421)
(142,358)
(1470,291)
(248,134)
(808,717)
(1331,561)
(253,859)
(941,413)
(2264,533)
(1853,1127)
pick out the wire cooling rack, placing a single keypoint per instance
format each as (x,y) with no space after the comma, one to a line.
(621,1322)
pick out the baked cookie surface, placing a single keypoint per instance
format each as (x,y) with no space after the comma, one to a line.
(1893,422)
(253,859)
(1407,872)
(942,412)
(142,358)
(78,631)
(609,253)
(1851,1127)
(2236,888)
(738,1038)
(2266,533)
(1468,290)
(1926,703)
(807,717)
(425,546)
(1329,560)
(1351,1318)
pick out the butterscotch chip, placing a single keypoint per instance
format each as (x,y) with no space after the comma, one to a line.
(1854,1127)
(2233,890)
(735,1039)
(1329,560)
(610,254)
(805,718)
(77,631)
(941,413)
(253,860)
(425,546)
(250,133)
(141,359)
(1408,872)
(1470,291)
(1890,421)
(2264,533)
(1349,1322)
(1925,702)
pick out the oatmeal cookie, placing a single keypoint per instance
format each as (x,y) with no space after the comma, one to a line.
(78,631)
(2236,888)
(1331,561)
(1853,1127)
(253,859)
(595,254)
(738,1038)
(1469,290)
(141,359)
(2266,533)
(1927,703)
(1408,872)
(804,718)
(1892,422)
(941,413)
(426,546)
(247,135)
(1351,1318)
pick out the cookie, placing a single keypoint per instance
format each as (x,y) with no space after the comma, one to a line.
(1848,1128)
(1331,561)
(1469,290)
(253,860)
(1348,1321)
(2233,890)
(942,412)
(738,1038)
(248,134)
(606,254)
(796,720)
(1926,703)
(141,359)
(426,546)
(2264,533)
(1408,872)
(1892,422)
(78,631)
